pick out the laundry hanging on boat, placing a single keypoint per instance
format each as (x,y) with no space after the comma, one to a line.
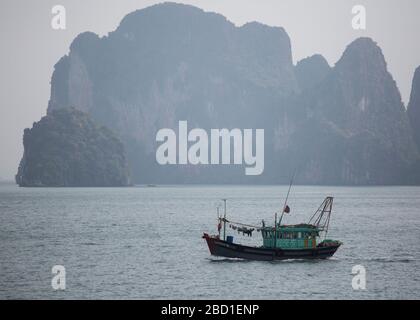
(243,230)
(246,231)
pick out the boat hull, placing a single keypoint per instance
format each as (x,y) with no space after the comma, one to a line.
(222,248)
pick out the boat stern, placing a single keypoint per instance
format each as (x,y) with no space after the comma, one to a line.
(330,243)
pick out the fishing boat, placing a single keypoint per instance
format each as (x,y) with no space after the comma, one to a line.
(280,241)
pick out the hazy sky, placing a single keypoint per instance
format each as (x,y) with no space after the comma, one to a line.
(30,47)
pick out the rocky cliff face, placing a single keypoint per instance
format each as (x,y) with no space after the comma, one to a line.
(66,149)
(171,62)
(413,111)
(413,108)
(311,71)
(352,128)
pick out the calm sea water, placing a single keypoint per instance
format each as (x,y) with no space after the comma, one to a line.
(145,243)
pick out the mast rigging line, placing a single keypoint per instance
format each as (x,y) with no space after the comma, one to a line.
(243,224)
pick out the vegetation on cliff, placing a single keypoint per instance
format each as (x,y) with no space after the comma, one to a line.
(67,149)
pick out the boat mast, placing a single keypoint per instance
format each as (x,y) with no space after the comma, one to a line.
(275,230)
(321,217)
(287,197)
(218,218)
(224,222)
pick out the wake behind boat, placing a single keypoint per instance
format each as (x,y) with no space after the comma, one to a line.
(280,242)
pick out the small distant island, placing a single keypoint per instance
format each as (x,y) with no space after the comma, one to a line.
(67,149)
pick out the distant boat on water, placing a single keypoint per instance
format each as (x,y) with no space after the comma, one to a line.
(298,241)
(280,242)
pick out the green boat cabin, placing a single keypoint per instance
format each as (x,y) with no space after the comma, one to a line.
(299,236)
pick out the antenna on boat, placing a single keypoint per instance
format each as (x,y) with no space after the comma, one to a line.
(285,201)
(224,221)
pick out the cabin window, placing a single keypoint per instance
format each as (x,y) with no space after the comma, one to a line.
(299,234)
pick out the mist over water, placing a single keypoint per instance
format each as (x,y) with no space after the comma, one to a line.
(140,243)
